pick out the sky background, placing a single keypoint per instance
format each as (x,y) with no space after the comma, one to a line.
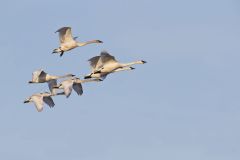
(184,104)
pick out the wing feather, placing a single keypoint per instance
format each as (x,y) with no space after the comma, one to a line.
(78,88)
(65,34)
(49,101)
(105,57)
(38,102)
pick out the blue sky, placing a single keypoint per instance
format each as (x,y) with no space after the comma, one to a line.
(183,104)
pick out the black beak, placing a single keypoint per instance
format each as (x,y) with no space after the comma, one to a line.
(30,82)
(26,101)
(99,41)
(144,62)
(132,68)
(87,77)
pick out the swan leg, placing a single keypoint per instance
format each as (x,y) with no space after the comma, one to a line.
(61,54)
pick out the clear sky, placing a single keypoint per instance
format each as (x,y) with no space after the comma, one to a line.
(184,104)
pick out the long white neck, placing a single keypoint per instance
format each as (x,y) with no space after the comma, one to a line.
(87,80)
(57,94)
(123,69)
(88,42)
(131,63)
(57,77)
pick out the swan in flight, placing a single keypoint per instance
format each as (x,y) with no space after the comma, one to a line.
(73,83)
(105,64)
(39,76)
(68,42)
(40,98)
(109,63)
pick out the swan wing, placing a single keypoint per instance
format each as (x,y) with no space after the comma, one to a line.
(95,63)
(38,102)
(51,84)
(105,57)
(36,74)
(42,76)
(67,87)
(65,34)
(78,88)
(49,101)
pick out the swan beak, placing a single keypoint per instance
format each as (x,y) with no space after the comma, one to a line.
(87,77)
(30,82)
(144,62)
(26,101)
(99,41)
(132,68)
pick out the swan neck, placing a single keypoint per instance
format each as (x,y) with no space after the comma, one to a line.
(131,63)
(85,43)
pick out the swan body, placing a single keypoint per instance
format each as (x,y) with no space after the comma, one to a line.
(73,83)
(40,76)
(40,98)
(109,63)
(68,42)
(105,64)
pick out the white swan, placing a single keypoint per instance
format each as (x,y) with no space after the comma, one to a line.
(68,42)
(39,76)
(105,64)
(109,63)
(73,83)
(39,99)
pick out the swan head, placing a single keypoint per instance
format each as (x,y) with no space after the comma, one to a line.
(27,100)
(99,41)
(70,75)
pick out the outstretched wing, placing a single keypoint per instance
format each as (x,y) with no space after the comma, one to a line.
(42,76)
(36,74)
(95,63)
(78,88)
(65,34)
(51,84)
(38,102)
(67,87)
(49,101)
(105,57)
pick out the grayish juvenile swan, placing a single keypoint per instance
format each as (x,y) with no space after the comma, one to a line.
(40,98)
(67,42)
(39,76)
(73,83)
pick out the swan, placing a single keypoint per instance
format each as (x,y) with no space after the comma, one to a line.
(40,76)
(109,63)
(102,75)
(68,42)
(40,98)
(73,83)
(105,64)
